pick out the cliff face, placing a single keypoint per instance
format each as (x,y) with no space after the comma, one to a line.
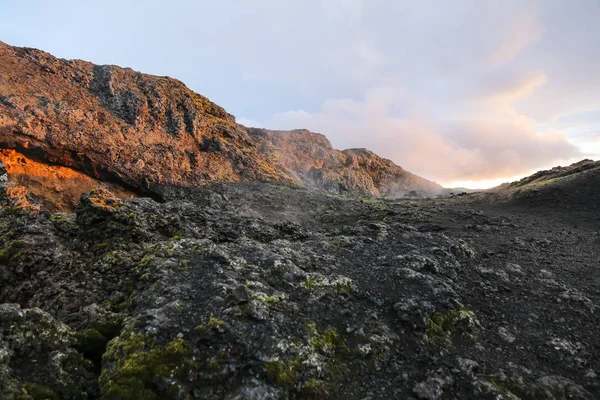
(117,124)
(144,131)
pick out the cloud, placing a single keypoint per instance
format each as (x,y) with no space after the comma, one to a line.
(498,144)
(507,87)
(250,123)
(523,30)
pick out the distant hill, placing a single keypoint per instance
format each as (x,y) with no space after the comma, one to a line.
(576,186)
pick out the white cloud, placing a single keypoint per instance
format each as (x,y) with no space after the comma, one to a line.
(250,123)
(523,30)
(499,143)
(507,87)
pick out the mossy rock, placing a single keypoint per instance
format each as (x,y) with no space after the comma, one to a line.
(134,364)
(443,325)
(283,373)
(39,392)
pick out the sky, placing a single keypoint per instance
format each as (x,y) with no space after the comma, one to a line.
(466,93)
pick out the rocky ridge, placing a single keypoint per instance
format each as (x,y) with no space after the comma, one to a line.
(309,157)
(143,131)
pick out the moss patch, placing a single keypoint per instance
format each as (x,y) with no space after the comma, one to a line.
(139,363)
(440,326)
(317,281)
(39,392)
(283,373)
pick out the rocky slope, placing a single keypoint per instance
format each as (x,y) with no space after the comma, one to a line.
(573,189)
(144,131)
(54,187)
(262,291)
(309,157)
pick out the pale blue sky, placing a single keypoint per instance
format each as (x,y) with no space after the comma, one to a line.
(457,91)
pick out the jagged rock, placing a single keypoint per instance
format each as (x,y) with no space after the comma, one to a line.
(143,132)
(221,294)
(37,358)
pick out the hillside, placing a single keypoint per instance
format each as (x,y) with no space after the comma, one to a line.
(309,157)
(576,187)
(560,191)
(142,131)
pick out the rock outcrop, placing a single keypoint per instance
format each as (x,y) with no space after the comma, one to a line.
(572,189)
(119,125)
(143,131)
(55,187)
(309,157)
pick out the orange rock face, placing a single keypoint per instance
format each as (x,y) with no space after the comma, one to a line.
(57,188)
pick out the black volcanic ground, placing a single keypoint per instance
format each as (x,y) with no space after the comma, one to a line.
(260,291)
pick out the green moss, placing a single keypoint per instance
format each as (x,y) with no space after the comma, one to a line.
(132,299)
(315,388)
(283,373)
(442,325)
(39,392)
(310,283)
(327,342)
(122,305)
(58,218)
(92,344)
(145,276)
(4,255)
(11,210)
(139,362)
(200,329)
(314,282)
(146,261)
(101,246)
(328,349)
(371,201)
(219,361)
(343,287)
(214,322)
(109,325)
(7,236)
(11,249)
(266,299)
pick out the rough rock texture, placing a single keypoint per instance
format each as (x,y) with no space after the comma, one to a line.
(144,131)
(55,187)
(309,157)
(259,291)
